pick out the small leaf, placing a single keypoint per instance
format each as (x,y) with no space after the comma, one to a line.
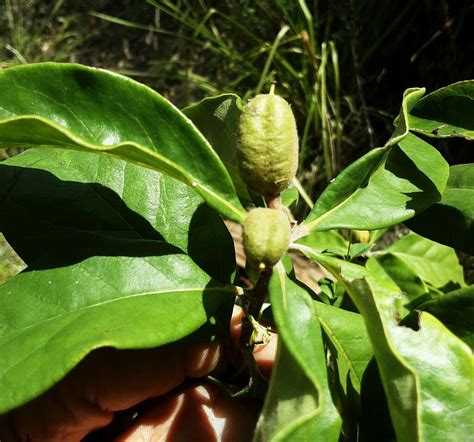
(451,221)
(436,264)
(327,240)
(384,187)
(290,196)
(218,120)
(359,249)
(75,107)
(307,411)
(447,112)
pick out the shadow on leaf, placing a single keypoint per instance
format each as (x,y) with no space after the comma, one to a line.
(53,223)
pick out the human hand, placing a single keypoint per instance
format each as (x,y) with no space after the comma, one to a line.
(110,380)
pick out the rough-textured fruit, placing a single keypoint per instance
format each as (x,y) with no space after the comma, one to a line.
(266,235)
(267,151)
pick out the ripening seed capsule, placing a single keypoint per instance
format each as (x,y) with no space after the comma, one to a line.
(266,236)
(267,152)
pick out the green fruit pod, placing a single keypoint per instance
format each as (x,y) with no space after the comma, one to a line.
(267,152)
(266,236)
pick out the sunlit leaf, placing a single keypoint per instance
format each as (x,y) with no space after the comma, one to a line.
(446,112)
(384,187)
(75,107)
(307,413)
(423,371)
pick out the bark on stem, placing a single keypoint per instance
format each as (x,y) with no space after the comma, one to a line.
(274,202)
(256,298)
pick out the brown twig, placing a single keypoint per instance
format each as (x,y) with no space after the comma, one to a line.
(274,202)
(255,299)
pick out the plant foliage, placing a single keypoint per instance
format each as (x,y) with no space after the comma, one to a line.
(117,209)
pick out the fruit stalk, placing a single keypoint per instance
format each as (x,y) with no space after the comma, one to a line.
(254,305)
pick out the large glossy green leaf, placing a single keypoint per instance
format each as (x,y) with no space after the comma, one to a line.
(76,107)
(426,373)
(451,221)
(436,264)
(106,243)
(346,331)
(455,310)
(447,112)
(298,405)
(50,319)
(386,186)
(58,207)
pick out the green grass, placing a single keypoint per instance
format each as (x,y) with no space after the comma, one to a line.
(243,46)
(35,31)
(342,65)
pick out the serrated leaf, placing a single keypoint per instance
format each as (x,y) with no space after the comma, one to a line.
(426,373)
(75,107)
(58,207)
(451,220)
(384,187)
(50,319)
(446,112)
(307,413)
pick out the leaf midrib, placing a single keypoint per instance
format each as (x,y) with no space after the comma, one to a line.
(339,346)
(18,332)
(110,149)
(313,224)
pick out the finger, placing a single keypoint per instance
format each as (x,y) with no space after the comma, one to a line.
(108,380)
(201,412)
(264,354)
(202,359)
